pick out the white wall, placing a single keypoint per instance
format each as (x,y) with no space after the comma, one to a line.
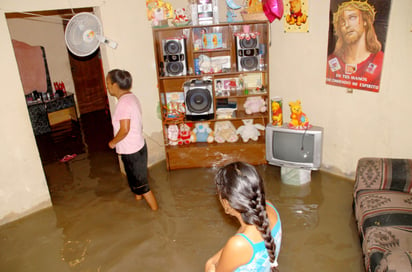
(49,33)
(356,125)
(22,183)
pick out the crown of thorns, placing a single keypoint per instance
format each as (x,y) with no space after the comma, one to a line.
(363,6)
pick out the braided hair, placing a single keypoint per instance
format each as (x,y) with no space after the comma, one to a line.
(242,186)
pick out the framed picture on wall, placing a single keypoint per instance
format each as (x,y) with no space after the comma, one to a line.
(357,37)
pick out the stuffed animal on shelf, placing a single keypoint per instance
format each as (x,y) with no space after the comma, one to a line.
(173,134)
(203,132)
(225,131)
(277,115)
(254,104)
(185,133)
(205,64)
(298,119)
(180,16)
(249,130)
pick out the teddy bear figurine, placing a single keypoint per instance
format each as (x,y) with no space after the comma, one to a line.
(173,134)
(225,131)
(185,133)
(298,119)
(254,104)
(249,131)
(180,17)
(205,64)
(202,133)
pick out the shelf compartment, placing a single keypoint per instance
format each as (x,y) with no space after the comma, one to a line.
(215,154)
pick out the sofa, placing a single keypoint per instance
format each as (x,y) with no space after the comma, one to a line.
(383,211)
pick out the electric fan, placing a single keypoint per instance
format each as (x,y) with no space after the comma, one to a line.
(84,34)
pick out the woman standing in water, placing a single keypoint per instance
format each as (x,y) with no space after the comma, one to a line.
(255,246)
(128,135)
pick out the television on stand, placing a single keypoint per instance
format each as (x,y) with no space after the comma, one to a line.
(294,148)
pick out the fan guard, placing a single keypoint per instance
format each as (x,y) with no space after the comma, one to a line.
(84,34)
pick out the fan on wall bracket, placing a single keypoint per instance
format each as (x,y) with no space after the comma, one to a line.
(84,34)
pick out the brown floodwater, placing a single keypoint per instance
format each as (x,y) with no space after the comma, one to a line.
(95,223)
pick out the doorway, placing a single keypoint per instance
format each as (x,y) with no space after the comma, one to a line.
(88,78)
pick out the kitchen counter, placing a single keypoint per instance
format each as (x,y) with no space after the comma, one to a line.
(45,114)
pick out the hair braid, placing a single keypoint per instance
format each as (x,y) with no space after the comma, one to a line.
(262,224)
(242,186)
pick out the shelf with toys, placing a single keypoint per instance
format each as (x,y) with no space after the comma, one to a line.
(213,83)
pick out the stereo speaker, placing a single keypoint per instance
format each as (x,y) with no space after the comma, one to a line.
(174,57)
(248,56)
(198,100)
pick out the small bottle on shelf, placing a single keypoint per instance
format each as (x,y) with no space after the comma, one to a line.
(193,12)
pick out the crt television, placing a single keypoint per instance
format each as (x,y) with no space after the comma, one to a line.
(294,148)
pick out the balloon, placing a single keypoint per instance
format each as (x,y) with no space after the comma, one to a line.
(273,9)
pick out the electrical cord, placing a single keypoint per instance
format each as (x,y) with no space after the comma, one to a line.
(303,137)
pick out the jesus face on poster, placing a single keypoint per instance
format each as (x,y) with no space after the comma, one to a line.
(352,27)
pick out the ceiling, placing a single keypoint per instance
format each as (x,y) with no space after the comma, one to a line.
(64,13)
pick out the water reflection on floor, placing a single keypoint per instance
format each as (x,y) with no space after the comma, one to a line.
(95,223)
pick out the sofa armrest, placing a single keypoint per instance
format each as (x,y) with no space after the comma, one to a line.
(384,174)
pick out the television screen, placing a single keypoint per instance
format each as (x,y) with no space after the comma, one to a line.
(293,147)
(288,147)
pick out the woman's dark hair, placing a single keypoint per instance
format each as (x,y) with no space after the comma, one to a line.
(121,77)
(242,186)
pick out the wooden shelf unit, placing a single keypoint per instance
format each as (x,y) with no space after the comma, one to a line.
(201,154)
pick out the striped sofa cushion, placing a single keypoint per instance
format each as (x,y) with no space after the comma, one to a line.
(383,208)
(383,174)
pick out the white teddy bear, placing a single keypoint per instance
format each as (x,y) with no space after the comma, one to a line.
(173,134)
(255,104)
(249,130)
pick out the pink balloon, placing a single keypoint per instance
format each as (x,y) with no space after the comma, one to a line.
(273,9)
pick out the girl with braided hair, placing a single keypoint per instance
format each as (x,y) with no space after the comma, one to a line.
(255,246)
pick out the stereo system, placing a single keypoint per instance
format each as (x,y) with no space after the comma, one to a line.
(247,53)
(174,57)
(198,100)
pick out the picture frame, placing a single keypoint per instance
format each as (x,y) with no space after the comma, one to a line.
(223,86)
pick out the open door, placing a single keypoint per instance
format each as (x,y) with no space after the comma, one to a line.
(89,82)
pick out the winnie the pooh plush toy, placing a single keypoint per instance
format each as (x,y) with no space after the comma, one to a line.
(277,116)
(298,119)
